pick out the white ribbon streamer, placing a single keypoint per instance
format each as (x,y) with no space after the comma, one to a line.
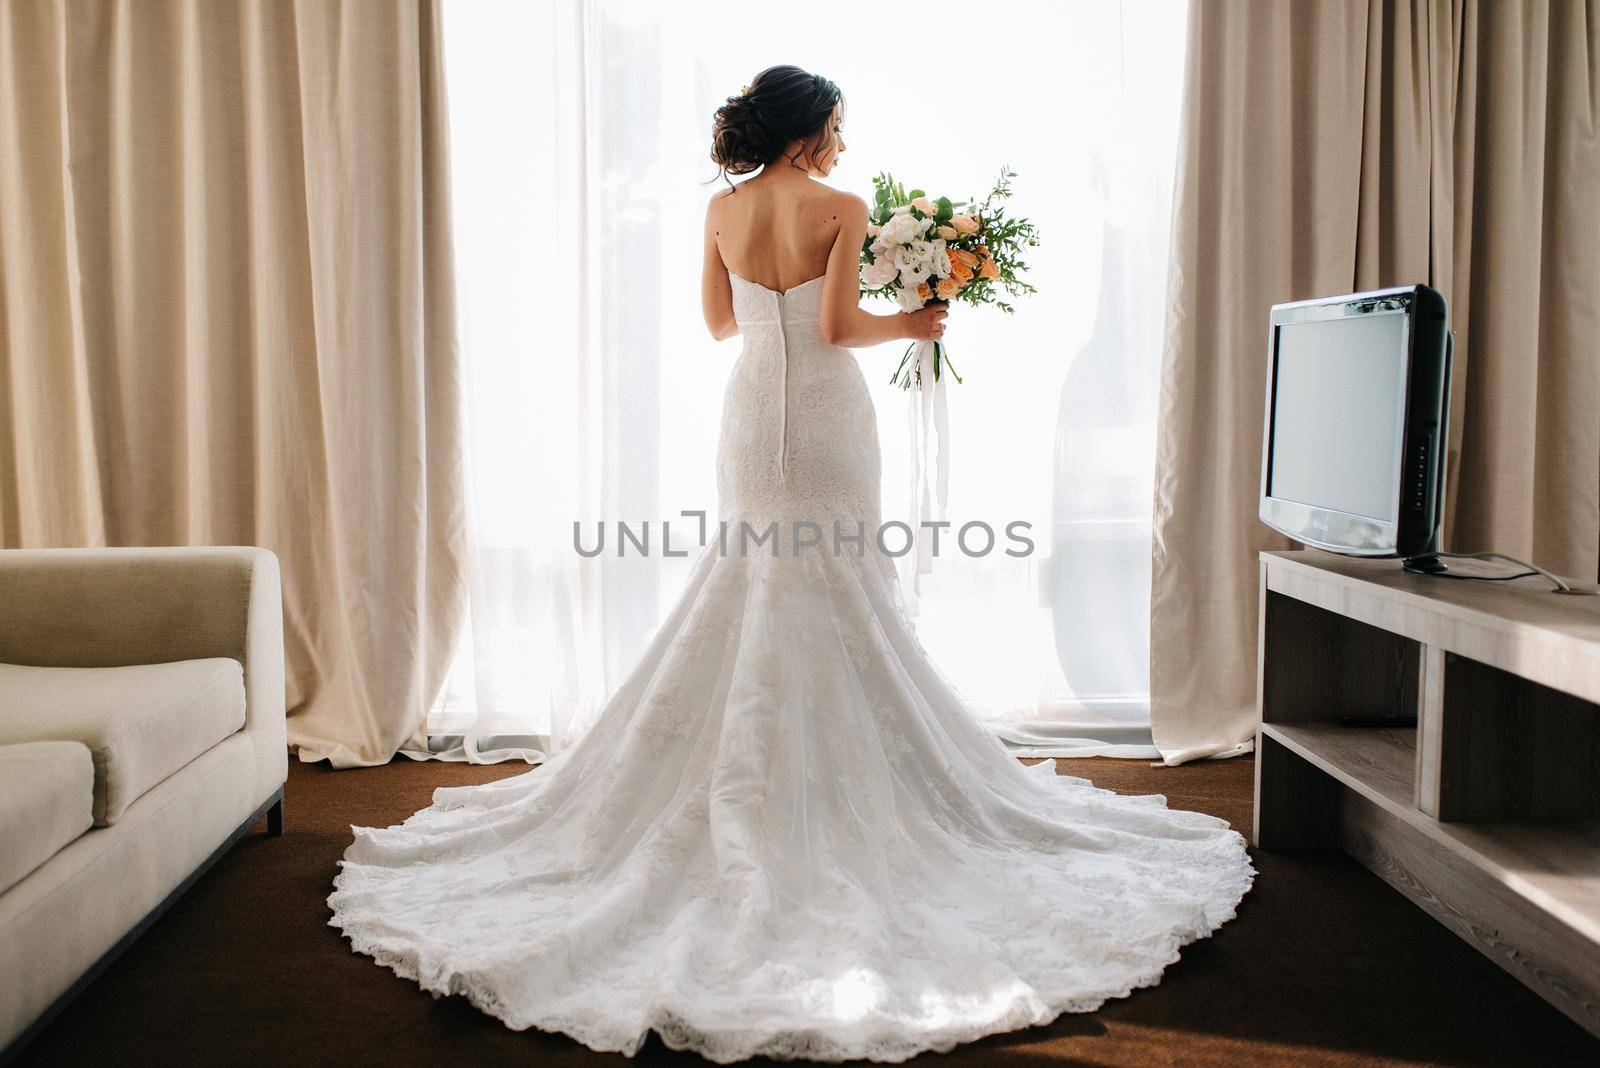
(930,417)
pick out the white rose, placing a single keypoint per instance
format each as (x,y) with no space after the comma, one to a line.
(908,299)
(899,230)
(879,272)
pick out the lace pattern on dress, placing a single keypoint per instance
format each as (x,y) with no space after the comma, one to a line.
(786,834)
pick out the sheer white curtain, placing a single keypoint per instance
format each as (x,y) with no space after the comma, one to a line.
(580,133)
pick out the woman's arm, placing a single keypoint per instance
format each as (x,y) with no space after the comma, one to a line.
(716,294)
(843,320)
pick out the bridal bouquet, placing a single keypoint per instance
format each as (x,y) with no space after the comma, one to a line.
(921,250)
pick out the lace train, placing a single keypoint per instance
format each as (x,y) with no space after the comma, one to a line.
(786,837)
(786,834)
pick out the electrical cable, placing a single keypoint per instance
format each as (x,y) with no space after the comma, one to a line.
(1416,567)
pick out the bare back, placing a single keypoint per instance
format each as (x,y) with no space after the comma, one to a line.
(778,234)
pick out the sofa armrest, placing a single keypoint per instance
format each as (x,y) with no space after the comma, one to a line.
(112,607)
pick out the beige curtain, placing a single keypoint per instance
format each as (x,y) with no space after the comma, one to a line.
(1329,146)
(227,318)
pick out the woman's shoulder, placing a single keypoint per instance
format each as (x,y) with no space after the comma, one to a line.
(721,194)
(838,196)
(842,206)
(815,199)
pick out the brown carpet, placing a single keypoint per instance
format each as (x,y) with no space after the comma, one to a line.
(1324,965)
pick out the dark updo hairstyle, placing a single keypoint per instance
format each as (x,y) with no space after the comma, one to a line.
(784,104)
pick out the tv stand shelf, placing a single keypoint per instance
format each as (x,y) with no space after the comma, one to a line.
(1487,813)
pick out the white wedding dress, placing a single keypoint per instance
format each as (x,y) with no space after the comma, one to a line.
(786,834)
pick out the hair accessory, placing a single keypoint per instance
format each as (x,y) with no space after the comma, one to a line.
(744,90)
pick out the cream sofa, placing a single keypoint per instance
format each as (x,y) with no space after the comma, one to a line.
(141,734)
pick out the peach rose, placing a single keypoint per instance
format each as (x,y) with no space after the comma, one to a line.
(964,224)
(924,291)
(988,268)
(948,288)
(924,205)
(962,264)
(949,233)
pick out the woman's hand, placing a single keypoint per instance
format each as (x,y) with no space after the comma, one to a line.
(927,322)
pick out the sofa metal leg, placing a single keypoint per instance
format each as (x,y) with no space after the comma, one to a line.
(275,817)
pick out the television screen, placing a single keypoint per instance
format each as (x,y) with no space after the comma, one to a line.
(1345,381)
(1353,445)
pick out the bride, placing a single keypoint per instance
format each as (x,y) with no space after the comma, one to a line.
(786,835)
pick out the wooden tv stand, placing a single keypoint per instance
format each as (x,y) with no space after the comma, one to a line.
(1487,812)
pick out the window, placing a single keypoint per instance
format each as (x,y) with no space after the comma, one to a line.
(579,138)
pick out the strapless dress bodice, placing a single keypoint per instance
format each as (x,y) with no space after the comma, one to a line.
(799,434)
(756,305)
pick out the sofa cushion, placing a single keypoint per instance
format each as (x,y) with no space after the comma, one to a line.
(46,801)
(141,723)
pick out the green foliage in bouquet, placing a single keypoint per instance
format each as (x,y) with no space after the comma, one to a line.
(1004,237)
(984,244)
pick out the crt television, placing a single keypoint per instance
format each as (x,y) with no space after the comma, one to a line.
(1353,451)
